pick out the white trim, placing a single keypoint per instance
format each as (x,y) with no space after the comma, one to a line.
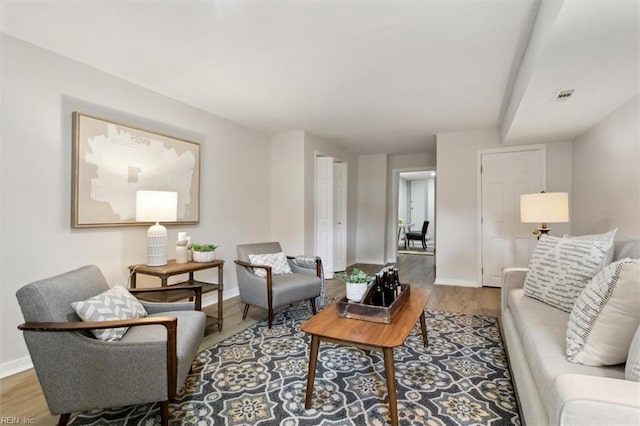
(16,366)
(543,187)
(456,282)
(371,262)
(212,298)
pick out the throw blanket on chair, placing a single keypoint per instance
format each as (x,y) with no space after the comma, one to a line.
(309,262)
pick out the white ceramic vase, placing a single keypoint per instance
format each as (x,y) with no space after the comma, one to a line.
(355,291)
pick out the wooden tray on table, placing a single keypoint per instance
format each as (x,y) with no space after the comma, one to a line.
(366,312)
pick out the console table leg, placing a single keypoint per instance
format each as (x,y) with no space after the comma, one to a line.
(311,376)
(390,371)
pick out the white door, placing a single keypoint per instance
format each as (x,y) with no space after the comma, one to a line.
(324,213)
(418,204)
(340,216)
(507,242)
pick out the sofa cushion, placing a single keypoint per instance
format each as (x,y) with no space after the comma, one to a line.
(542,330)
(114,304)
(277,261)
(560,268)
(632,369)
(606,316)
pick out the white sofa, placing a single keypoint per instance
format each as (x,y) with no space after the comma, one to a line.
(551,390)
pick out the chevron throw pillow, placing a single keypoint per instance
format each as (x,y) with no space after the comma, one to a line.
(277,261)
(114,304)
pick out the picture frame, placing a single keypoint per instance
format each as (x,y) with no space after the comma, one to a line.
(111,161)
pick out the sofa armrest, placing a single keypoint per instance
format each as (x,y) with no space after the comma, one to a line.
(579,399)
(512,278)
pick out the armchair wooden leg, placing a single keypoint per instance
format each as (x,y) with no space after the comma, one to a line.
(246,311)
(270,316)
(64,419)
(313,305)
(164,413)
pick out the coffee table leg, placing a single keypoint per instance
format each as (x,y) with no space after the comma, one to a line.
(311,376)
(423,328)
(390,371)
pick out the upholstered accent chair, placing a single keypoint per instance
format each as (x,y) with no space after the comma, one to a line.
(275,290)
(418,236)
(78,372)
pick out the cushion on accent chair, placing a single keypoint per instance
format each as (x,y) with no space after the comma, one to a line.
(560,268)
(605,316)
(277,261)
(114,304)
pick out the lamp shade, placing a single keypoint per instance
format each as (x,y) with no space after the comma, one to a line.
(156,206)
(544,207)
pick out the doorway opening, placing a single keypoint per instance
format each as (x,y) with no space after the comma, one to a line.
(414,198)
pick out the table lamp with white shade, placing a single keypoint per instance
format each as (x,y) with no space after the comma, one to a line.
(544,208)
(156,206)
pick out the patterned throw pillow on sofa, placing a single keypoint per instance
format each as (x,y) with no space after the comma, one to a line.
(560,268)
(114,304)
(605,316)
(277,261)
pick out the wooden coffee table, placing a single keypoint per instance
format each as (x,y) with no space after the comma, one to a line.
(327,325)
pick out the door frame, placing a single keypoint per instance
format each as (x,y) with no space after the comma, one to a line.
(543,184)
(392,224)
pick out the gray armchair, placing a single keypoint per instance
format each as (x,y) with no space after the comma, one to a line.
(78,372)
(275,290)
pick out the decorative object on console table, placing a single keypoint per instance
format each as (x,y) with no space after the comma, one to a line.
(204,252)
(181,251)
(156,206)
(356,283)
(172,269)
(544,208)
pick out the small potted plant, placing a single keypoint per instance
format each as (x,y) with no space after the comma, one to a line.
(204,252)
(356,283)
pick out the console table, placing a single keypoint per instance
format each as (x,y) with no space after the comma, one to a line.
(172,268)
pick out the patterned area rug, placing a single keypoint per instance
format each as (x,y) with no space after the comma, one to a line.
(258,377)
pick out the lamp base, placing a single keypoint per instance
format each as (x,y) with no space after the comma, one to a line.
(157,245)
(544,230)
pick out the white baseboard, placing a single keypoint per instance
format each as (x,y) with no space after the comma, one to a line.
(371,261)
(16,366)
(212,298)
(456,282)
(21,364)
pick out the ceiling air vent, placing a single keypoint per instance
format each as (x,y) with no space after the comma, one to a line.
(563,95)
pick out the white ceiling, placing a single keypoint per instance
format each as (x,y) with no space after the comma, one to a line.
(373,76)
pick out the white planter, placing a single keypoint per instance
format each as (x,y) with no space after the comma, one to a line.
(355,291)
(204,256)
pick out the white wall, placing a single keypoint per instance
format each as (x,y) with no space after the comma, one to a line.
(372,208)
(456,199)
(606,175)
(287,201)
(39,91)
(431,207)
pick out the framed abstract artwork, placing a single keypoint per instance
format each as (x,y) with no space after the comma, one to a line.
(111,161)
